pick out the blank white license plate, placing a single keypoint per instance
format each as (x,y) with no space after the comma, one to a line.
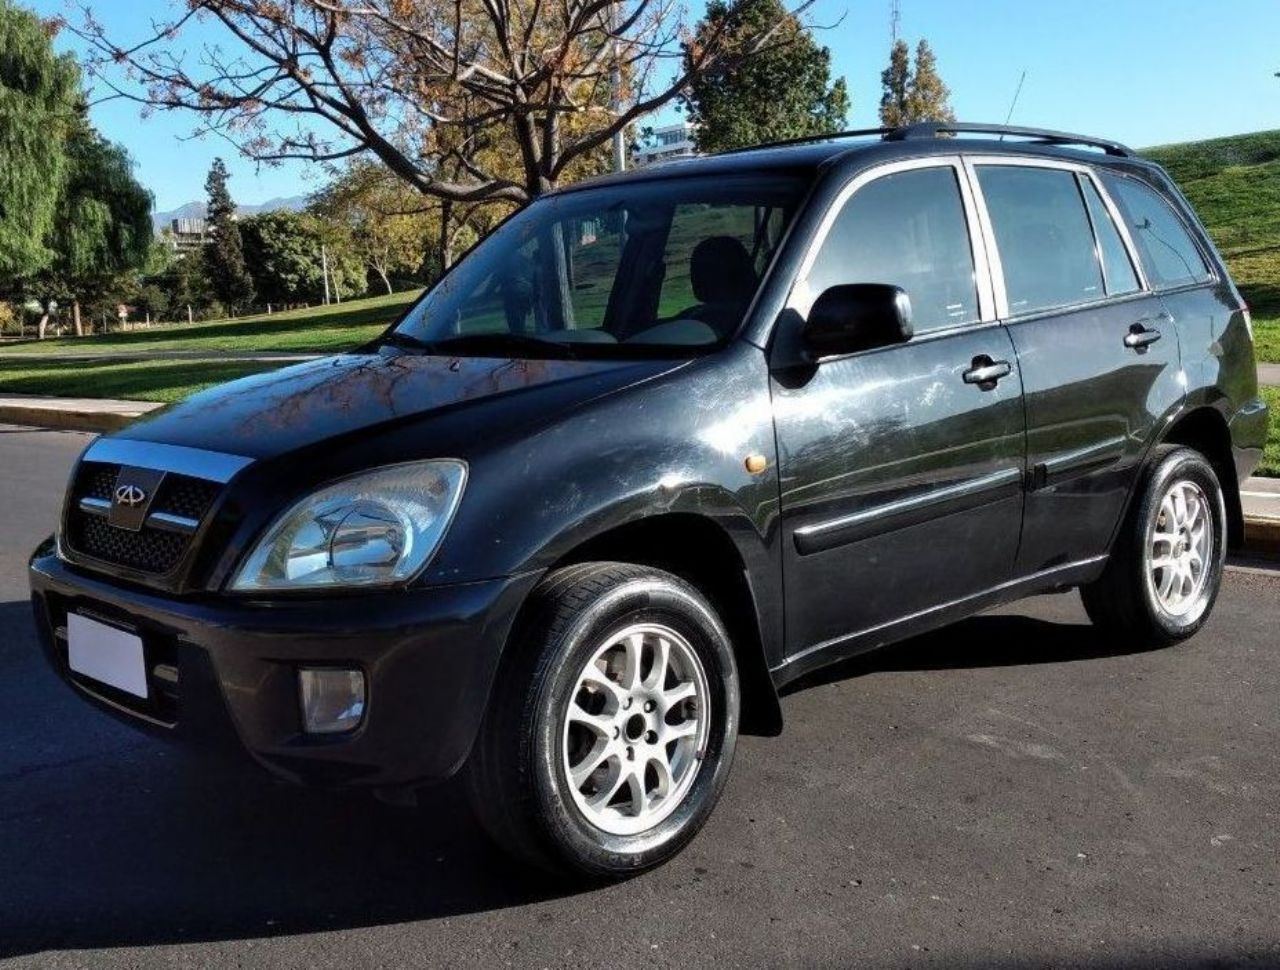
(106,654)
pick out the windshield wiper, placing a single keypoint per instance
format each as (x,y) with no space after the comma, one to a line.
(507,343)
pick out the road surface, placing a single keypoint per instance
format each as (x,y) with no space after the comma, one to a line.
(1008,792)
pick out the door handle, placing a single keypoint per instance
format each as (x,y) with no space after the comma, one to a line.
(1140,336)
(986,373)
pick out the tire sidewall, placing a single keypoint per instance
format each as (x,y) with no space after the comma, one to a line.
(647,599)
(1182,464)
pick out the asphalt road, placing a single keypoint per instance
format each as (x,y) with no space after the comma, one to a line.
(1009,792)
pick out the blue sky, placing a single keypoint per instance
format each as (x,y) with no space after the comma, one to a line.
(1145,72)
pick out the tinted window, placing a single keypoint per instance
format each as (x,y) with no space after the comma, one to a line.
(1043,233)
(1168,252)
(1117,269)
(614,271)
(908,230)
(756,230)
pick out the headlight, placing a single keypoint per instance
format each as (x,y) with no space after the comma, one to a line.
(373,529)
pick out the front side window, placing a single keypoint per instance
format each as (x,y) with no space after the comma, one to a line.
(909,230)
(1168,251)
(661,268)
(1044,237)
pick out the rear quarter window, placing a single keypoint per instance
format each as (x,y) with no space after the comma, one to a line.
(1168,252)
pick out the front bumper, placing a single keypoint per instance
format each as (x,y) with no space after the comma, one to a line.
(224,669)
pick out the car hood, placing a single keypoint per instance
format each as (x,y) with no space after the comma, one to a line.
(285,410)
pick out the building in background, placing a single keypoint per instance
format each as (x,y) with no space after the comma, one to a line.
(187,235)
(664,144)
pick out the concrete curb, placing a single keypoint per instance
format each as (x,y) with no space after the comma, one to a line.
(1262,537)
(72,419)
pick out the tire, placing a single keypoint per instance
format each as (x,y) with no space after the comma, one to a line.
(553,716)
(1137,599)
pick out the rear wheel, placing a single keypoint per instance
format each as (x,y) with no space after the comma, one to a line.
(612,728)
(1165,571)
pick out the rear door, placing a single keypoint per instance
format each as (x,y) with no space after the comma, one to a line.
(901,478)
(1098,355)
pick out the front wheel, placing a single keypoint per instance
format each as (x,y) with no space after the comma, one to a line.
(612,728)
(1166,569)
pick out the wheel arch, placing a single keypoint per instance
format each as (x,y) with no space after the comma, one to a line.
(719,572)
(1205,430)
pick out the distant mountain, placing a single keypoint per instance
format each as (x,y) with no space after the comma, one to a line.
(195,210)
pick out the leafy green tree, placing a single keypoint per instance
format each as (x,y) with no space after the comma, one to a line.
(894,82)
(390,225)
(285,250)
(39,99)
(910,95)
(928,99)
(102,231)
(783,91)
(224,253)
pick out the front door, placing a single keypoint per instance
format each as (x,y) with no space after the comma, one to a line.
(1099,355)
(901,469)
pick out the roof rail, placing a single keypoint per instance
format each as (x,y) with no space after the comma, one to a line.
(812,139)
(933,129)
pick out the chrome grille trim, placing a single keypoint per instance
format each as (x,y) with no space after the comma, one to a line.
(213,466)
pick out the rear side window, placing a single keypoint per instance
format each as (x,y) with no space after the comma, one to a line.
(1044,237)
(1168,251)
(1117,268)
(908,230)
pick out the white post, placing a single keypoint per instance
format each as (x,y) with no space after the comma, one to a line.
(324,271)
(619,138)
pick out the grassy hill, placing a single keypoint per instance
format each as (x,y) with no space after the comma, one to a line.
(1234,184)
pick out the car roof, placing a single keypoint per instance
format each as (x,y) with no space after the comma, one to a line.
(807,157)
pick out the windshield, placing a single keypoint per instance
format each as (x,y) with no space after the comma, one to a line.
(659,268)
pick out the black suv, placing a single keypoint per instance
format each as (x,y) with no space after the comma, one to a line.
(661,444)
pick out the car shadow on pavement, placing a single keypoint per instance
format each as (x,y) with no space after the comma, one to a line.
(111,838)
(980,641)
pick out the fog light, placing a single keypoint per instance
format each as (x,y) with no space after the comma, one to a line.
(332,699)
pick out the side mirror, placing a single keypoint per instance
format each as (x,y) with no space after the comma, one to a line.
(859,316)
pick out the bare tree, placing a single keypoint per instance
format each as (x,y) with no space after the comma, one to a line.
(429,87)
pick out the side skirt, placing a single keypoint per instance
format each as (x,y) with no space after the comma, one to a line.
(829,651)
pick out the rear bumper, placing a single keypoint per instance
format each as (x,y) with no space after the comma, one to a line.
(1248,427)
(429,657)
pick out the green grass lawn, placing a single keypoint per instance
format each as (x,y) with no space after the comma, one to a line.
(1270,466)
(1266,336)
(164,381)
(324,329)
(1234,185)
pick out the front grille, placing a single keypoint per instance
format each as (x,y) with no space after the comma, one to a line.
(151,550)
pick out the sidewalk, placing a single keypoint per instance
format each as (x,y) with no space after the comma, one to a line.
(1269,374)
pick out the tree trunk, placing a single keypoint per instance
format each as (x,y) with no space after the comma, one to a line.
(446,257)
(44,321)
(75,316)
(385,281)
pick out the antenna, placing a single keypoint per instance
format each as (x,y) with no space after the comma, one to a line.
(1014,103)
(895,20)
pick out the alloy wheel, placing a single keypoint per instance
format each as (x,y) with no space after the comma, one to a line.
(636,729)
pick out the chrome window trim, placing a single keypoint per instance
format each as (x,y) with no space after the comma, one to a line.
(801,299)
(1122,226)
(1080,170)
(212,466)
